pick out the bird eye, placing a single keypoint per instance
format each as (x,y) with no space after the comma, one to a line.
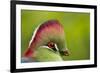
(51,45)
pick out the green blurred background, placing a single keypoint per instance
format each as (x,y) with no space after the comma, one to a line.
(76,26)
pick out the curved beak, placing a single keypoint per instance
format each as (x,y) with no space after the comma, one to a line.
(65,53)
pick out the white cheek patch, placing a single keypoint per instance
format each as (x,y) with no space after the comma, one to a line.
(50,48)
(45,47)
(56,47)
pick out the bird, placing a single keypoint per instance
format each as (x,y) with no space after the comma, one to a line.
(47,44)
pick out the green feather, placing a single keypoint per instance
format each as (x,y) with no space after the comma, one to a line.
(44,54)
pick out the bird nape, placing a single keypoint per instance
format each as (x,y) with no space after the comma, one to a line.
(47,43)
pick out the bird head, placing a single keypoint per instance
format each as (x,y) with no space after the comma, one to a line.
(50,34)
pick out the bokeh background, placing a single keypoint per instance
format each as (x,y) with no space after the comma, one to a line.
(76,26)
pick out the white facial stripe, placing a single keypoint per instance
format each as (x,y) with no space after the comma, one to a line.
(56,47)
(45,46)
(34,33)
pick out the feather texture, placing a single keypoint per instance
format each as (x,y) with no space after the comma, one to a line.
(49,31)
